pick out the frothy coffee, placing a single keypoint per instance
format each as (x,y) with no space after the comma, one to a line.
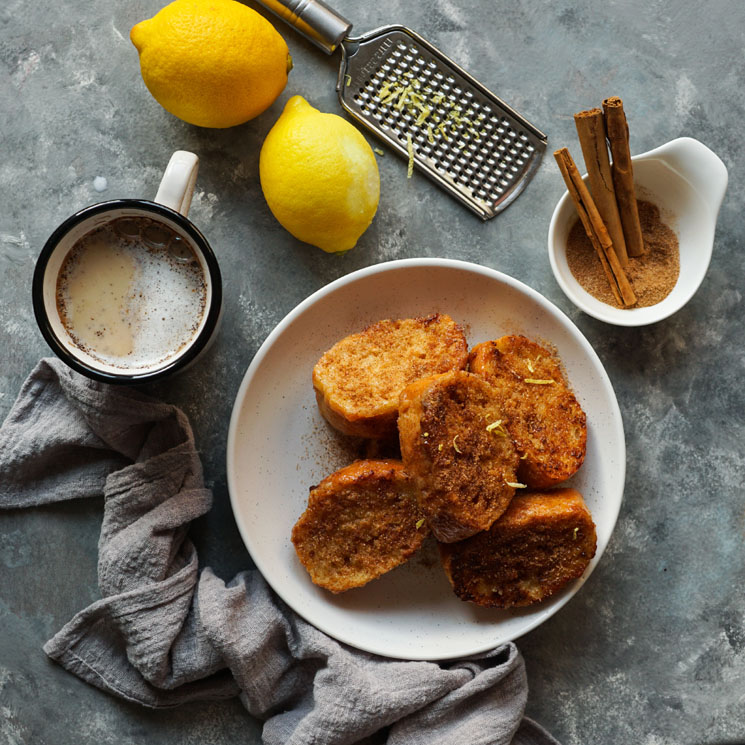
(131,294)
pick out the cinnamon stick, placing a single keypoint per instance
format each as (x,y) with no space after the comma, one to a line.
(622,172)
(595,229)
(591,131)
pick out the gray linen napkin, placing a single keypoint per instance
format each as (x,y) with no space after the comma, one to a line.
(163,634)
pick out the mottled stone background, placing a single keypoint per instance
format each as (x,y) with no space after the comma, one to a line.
(652,650)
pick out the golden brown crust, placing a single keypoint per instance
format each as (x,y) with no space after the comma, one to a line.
(547,423)
(358,381)
(361,522)
(461,469)
(543,541)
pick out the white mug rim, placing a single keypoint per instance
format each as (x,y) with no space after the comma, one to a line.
(180,359)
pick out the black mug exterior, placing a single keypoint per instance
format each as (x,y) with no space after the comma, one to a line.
(180,362)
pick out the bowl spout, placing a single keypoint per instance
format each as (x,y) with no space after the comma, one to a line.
(698,165)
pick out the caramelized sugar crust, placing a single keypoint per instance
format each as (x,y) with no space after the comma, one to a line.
(456,448)
(546,422)
(361,522)
(543,541)
(359,380)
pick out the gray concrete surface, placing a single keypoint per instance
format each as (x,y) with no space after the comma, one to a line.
(652,650)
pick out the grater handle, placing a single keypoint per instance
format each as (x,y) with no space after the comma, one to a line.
(313,19)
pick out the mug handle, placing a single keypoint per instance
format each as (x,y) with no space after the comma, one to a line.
(177,186)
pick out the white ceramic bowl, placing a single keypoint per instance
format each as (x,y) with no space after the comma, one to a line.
(686,181)
(279,445)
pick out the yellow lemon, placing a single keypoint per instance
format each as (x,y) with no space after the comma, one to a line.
(213,63)
(319,177)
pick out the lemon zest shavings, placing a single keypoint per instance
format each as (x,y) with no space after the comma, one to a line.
(455,445)
(378,151)
(516,485)
(424,113)
(390,94)
(348,78)
(498,427)
(416,98)
(410,148)
(539,381)
(385,89)
(420,522)
(443,116)
(404,95)
(574,534)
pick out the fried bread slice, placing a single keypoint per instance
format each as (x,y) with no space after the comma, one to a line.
(454,445)
(358,381)
(543,541)
(547,423)
(361,522)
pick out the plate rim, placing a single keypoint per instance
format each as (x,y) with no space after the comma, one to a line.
(361,274)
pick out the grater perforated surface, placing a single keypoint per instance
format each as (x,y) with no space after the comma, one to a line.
(460,134)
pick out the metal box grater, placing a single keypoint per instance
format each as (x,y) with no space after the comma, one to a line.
(427,108)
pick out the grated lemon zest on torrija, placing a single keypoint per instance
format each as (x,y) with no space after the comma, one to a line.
(498,427)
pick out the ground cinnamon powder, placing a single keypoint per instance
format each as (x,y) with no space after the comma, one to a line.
(652,275)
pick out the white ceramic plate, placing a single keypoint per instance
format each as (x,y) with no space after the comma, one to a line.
(279,445)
